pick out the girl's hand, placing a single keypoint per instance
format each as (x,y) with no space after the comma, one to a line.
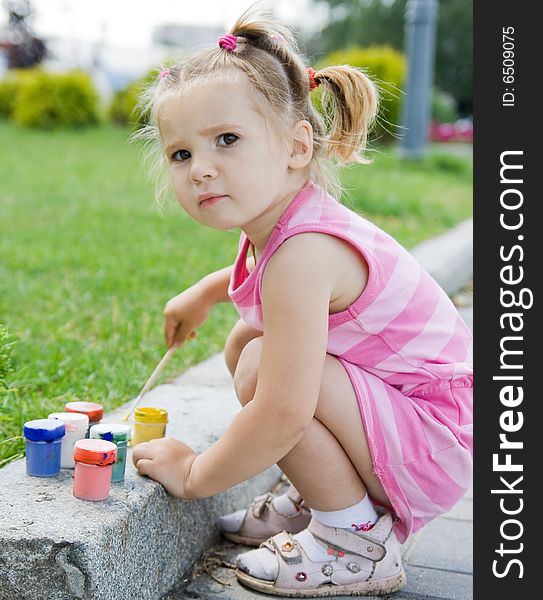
(184,313)
(167,461)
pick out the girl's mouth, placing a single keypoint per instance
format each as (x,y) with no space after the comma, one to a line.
(211,201)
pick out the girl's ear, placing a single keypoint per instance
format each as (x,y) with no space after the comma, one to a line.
(302,145)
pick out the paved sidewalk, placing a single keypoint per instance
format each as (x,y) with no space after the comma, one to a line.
(438,559)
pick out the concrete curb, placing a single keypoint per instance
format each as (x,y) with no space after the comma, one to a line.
(449,257)
(141,542)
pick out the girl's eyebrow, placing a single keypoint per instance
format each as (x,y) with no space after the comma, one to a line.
(207,131)
(218,127)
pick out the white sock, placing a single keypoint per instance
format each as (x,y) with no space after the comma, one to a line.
(232,523)
(262,563)
(284,506)
(362,513)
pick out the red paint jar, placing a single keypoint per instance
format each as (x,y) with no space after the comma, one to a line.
(93,410)
(94,461)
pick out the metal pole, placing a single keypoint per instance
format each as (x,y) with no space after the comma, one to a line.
(420,35)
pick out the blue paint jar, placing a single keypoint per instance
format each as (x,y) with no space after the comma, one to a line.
(43,439)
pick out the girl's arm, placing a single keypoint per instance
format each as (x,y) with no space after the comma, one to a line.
(189,309)
(184,313)
(296,292)
(215,285)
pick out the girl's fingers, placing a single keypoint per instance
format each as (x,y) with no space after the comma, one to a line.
(180,338)
(174,335)
(144,466)
(170,330)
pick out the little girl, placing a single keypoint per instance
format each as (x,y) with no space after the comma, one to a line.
(351,364)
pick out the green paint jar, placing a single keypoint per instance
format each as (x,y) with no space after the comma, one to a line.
(119,434)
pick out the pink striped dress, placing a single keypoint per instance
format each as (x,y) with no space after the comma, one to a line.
(406,350)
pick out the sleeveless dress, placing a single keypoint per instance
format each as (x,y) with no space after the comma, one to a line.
(406,351)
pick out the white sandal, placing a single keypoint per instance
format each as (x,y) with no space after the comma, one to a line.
(262,520)
(361,564)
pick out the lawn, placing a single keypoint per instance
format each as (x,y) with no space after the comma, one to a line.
(88,261)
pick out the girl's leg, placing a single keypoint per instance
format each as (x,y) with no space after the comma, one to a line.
(331,466)
(237,339)
(286,513)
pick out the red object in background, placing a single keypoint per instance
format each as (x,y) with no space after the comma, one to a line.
(464,130)
(460,131)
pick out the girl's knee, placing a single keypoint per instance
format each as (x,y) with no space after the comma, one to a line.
(232,351)
(237,339)
(245,375)
(334,382)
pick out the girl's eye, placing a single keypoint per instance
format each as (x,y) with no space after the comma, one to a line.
(228,138)
(180,155)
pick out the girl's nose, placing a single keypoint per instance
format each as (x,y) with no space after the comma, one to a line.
(201,170)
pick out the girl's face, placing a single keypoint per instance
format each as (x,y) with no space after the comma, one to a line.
(227,167)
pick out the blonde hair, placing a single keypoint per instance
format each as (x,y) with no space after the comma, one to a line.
(267,55)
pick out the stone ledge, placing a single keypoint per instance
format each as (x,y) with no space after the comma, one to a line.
(449,257)
(138,542)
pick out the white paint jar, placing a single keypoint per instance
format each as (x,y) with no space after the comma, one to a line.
(75,428)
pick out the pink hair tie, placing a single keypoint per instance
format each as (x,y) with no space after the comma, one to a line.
(228,42)
(312,83)
(163,73)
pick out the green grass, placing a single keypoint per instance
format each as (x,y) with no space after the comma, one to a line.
(88,262)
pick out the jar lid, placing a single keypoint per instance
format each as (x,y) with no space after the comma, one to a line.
(151,415)
(43,430)
(72,421)
(112,432)
(93,410)
(95,452)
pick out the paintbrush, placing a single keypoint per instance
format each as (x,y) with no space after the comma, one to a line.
(150,381)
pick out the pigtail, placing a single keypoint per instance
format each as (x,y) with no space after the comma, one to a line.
(278,41)
(349,101)
(263,33)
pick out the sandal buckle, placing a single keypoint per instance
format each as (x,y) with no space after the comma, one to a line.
(287,547)
(261,504)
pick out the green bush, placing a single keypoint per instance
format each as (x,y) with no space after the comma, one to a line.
(8,91)
(443,107)
(50,100)
(122,110)
(386,68)
(10,87)
(123,105)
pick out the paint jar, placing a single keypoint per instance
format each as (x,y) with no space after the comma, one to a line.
(75,426)
(93,410)
(149,424)
(94,461)
(43,439)
(119,434)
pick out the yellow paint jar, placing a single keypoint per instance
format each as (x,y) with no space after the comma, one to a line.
(149,424)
